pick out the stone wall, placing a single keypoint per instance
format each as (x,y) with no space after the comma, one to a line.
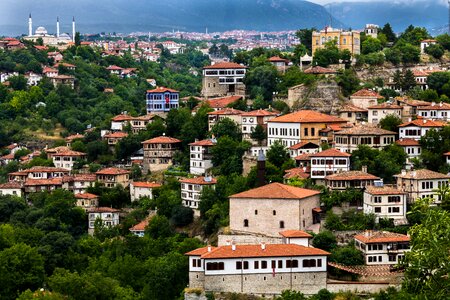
(267,284)
(358,287)
(196,280)
(247,239)
(247,163)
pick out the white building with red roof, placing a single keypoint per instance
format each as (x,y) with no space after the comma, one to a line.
(220,102)
(105,216)
(191,190)
(328,162)
(365,98)
(382,247)
(200,156)
(386,203)
(411,147)
(66,159)
(159,151)
(140,189)
(272,208)
(72,138)
(223,79)
(297,237)
(303,148)
(435,111)
(353,114)
(249,121)
(162,100)
(265,269)
(215,117)
(112,177)
(119,122)
(350,179)
(11,188)
(139,229)
(348,140)
(281,64)
(113,138)
(416,129)
(380,111)
(79,183)
(86,201)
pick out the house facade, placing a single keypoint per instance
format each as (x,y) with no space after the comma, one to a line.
(435,111)
(345,40)
(365,98)
(159,151)
(415,129)
(328,162)
(112,177)
(350,179)
(251,119)
(162,100)
(223,79)
(230,113)
(386,203)
(380,111)
(191,190)
(139,189)
(348,140)
(109,217)
(201,156)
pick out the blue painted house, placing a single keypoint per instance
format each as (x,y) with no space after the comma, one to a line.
(162,99)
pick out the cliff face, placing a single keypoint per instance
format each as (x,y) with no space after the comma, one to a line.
(324,96)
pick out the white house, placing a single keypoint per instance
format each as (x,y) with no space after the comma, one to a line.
(435,111)
(109,217)
(348,140)
(251,119)
(297,237)
(303,148)
(421,183)
(386,202)
(66,159)
(411,147)
(191,190)
(426,43)
(230,113)
(139,229)
(328,162)
(201,156)
(258,269)
(382,247)
(86,201)
(11,188)
(380,111)
(140,190)
(416,129)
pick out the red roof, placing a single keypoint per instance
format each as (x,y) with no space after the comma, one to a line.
(49,70)
(207,142)
(116,135)
(385,105)
(86,196)
(383,190)
(278,59)
(301,145)
(319,70)
(69,153)
(121,117)
(74,137)
(271,250)
(140,226)
(423,123)
(225,65)
(295,234)
(39,182)
(276,191)
(199,180)
(304,156)
(435,106)
(114,68)
(407,142)
(227,111)
(103,210)
(10,185)
(370,237)
(142,184)
(112,171)
(162,90)
(367,93)
(297,172)
(352,175)
(162,140)
(260,113)
(307,116)
(331,153)
(45,170)
(222,102)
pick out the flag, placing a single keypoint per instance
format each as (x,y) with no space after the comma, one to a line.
(167,99)
(273,272)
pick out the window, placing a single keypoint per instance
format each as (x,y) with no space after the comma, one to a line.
(256,211)
(245,265)
(239,265)
(274,264)
(377,209)
(305,131)
(274,212)
(264,264)
(280,264)
(281,224)
(212,266)
(245,223)
(256,265)
(292,263)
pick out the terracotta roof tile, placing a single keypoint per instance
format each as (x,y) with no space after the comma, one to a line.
(370,237)
(207,142)
(85,196)
(301,145)
(319,70)
(225,65)
(227,111)
(307,116)
(364,130)
(114,68)
(222,102)
(407,142)
(199,180)
(103,210)
(420,122)
(331,153)
(276,191)
(46,170)
(162,140)
(297,172)
(363,270)
(10,185)
(121,118)
(352,175)
(411,102)
(143,184)
(422,174)
(74,137)
(278,59)
(383,190)
(271,250)
(140,226)
(260,113)
(162,90)
(367,93)
(435,106)
(295,234)
(116,135)
(352,108)
(39,182)
(385,105)
(304,156)
(69,153)
(112,171)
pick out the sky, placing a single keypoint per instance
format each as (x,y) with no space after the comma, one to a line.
(404,1)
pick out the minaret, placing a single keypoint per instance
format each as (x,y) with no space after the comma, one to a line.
(261,169)
(73,29)
(30,26)
(57,27)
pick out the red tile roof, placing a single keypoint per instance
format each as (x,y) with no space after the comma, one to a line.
(407,142)
(301,145)
(69,153)
(227,111)
(370,237)
(74,137)
(297,172)
(364,130)
(225,65)
(352,175)
(276,191)
(304,156)
(352,108)
(271,250)
(207,142)
(162,90)
(199,180)
(260,113)
(295,234)
(143,184)
(85,196)
(278,59)
(10,185)
(112,171)
(423,123)
(383,190)
(121,118)
(103,210)
(116,135)
(40,182)
(331,153)
(140,226)
(319,70)
(114,68)
(435,106)
(307,116)
(367,93)
(162,140)
(45,170)
(222,102)
(385,105)
(422,174)
(49,70)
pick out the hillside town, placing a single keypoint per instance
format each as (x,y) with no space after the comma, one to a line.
(309,163)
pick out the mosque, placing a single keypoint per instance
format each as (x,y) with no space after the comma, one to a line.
(49,39)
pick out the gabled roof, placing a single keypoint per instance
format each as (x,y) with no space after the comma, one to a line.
(45,170)
(304,156)
(352,108)
(435,106)
(367,93)
(319,70)
(385,105)
(422,174)
(303,145)
(225,65)
(40,182)
(121,117)
(69,153)
(112,171)
(260,113)
(162,89)
(352,175)
(295,234)
(332,152)
(271,250)
(162,140)
(297,172)
(423,123)
(227,111)
(199,180)
(307,116)
(222,102)
(103,210)
(383,190)
(116,135)
(369,237)
(85,196)
(407,142)
(140,226)
(276,191)
(364,130)
(207,142)
(10,185)
(278,59)
(143,184)
(411,102)
(114,68)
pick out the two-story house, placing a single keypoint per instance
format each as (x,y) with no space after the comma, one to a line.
(435,111)
(303,148)
(251,119)
(112,177)
(353,114)
(162,100)
(365,98)
(412,148)
(140,189)
(350,179)
(348,140)
(415,129)
(86,201)
(106,216)
(191,190)
(223,79)
(380,111)
(382,247)
(328,162)
(230,113)
(67,159)
(201,156)
(159,151)
(386,203)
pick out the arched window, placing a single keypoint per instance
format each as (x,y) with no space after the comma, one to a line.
(344,41)
(245,223)
(281,224)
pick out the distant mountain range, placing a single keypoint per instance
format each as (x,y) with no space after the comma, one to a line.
(164,15)
(400,14)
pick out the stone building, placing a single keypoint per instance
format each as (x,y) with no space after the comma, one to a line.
(365,98)
(158,152)
(345,40)
(258,269)
(272,208)
(223,79)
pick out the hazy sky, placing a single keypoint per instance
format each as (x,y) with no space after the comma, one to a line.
(404,1)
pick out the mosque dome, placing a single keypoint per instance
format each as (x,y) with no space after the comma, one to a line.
(65,36)
(41,31)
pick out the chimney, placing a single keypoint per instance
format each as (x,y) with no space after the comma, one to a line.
(263,245)
(424,121)
(209,248)
(228,242)
(440,104)
(364,169)
(233,246)
(261,169)
(433,103)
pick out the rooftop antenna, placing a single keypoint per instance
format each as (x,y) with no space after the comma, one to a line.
(331,16)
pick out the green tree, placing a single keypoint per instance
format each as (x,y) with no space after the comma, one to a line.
(305,37)
(349,82)
(408,80)
(262,80)
(437,51)
(324,240)
(277,154)
(259,134)
(328,55)
(389,33)
(390,122)
(159,226)
(444,40)
(227,127)
(348,256)
(371,45)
